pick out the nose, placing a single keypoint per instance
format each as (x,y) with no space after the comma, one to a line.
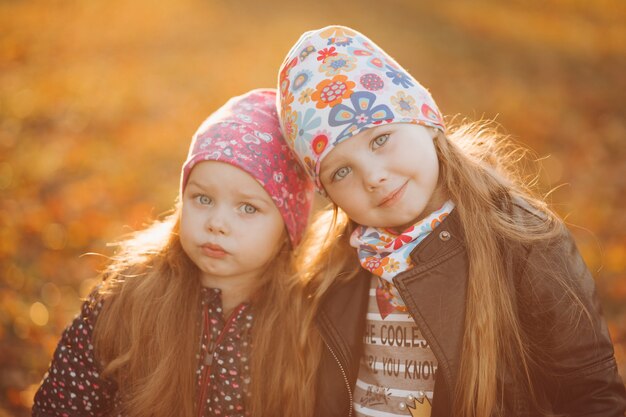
(217,223)
(373,177)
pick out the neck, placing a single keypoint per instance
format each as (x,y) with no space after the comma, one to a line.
(235,290)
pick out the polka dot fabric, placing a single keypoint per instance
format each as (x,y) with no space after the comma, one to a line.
(223,374)
(73,385)
(335,83)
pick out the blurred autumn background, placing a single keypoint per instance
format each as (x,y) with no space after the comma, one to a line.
(98,100)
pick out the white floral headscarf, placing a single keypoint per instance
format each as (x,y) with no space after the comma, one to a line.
(334,83)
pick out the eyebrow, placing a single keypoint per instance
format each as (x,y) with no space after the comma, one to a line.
(197,184)
(368,134)
(254,197)
(240,194)
(372,132)
(324,171)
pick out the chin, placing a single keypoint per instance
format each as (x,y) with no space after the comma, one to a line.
(408,216)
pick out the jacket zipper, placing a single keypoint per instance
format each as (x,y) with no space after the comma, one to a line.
(212,346)
(345,377)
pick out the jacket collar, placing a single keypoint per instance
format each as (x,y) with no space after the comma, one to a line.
(444,238)
(434,291)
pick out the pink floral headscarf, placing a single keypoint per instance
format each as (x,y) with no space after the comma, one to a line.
(245,133)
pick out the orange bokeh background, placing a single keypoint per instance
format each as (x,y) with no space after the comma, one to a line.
(98,101)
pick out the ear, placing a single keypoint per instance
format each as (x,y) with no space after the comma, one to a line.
(287,244)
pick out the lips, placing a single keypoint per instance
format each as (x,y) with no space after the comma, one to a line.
(393,196)
(214,251)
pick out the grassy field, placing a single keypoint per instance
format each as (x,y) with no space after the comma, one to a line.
(98,100)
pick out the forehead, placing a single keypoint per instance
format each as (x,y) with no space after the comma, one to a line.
(226,176)
(348,148)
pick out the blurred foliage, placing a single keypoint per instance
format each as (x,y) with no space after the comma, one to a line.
(98,100)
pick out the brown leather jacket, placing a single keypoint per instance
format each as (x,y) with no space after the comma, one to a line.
(579,374)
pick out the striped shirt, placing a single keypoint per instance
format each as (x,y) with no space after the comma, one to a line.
(397,370)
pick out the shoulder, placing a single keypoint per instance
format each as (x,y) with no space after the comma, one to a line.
(537,227)
(93,305)
(524,213)
(547,264)
(545,255)
(82,327)
(344,293)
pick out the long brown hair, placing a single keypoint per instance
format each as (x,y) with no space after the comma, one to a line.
(146,335)
(480,171)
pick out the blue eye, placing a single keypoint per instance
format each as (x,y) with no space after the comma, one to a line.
(379,141)
(248,209)
(203,199)
(341,173)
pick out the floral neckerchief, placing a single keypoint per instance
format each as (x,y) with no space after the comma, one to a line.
(386,254)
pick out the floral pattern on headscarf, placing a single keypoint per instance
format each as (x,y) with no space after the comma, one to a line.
(334,83)
(245,132)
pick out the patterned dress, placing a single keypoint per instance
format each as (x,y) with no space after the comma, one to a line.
(73,385)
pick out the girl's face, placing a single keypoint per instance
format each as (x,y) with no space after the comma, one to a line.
(385,176)
(230,226)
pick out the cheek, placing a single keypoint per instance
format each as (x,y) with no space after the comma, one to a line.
(186,240)
(184,231)
(346,195)
(432,168)
(266,232)
(190,224)
(353,202)
(266,243)
(276,231)
(421,163)
(186,221)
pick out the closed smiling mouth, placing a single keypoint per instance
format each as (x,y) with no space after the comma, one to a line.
(393,196)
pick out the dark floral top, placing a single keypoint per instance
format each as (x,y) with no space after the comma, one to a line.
(73,385)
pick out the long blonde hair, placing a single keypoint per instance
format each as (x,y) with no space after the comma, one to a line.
(147,333)
(479,169)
